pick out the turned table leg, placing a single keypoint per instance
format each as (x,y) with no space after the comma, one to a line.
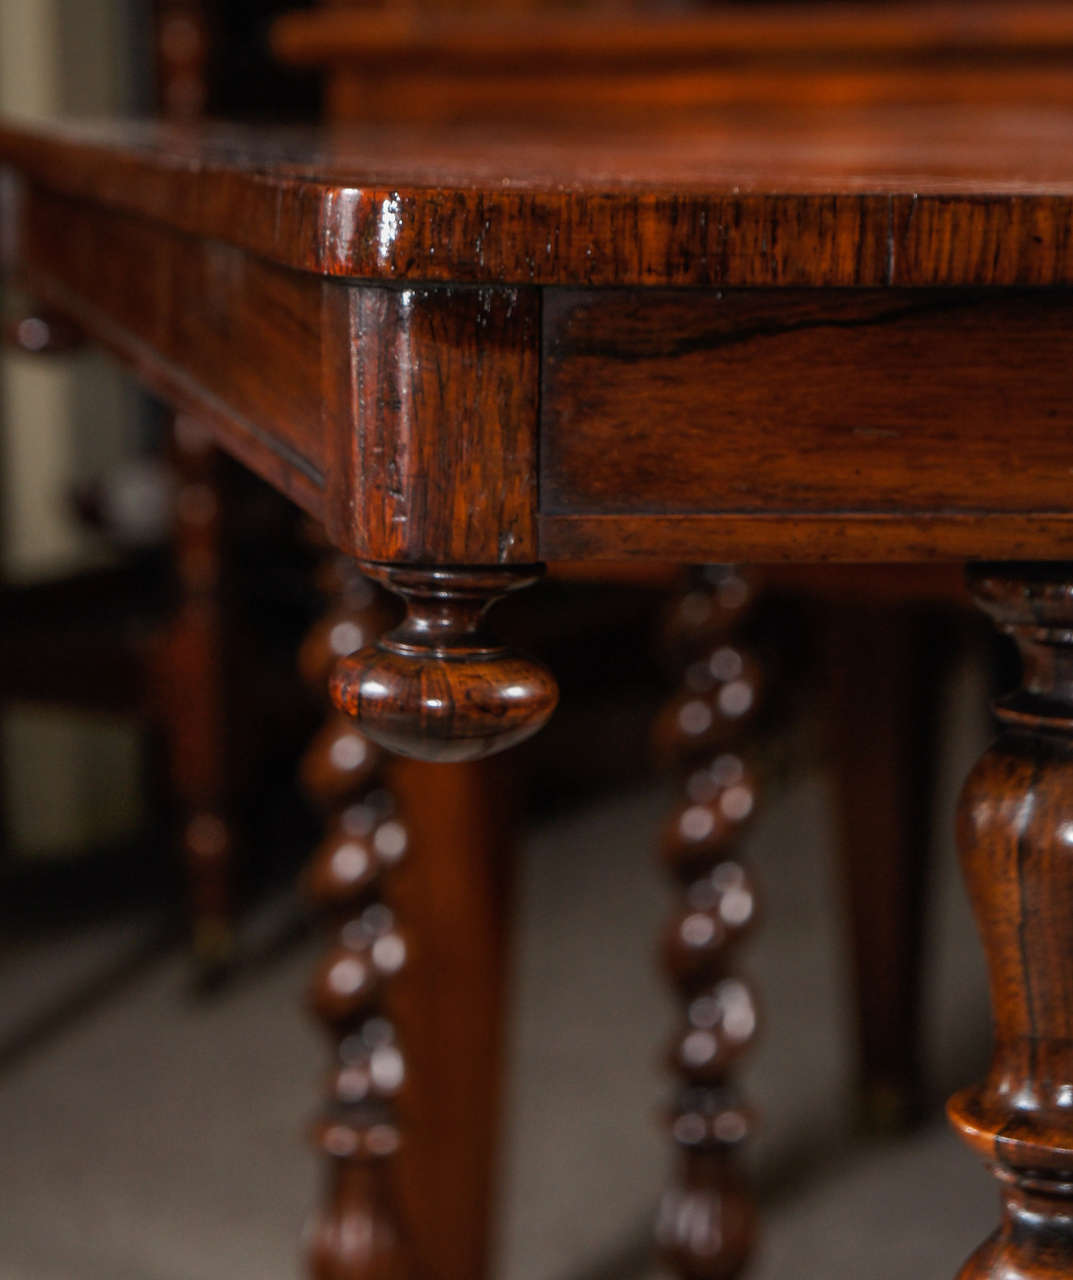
(885,664)
(436,687)
(704,1227)
(358,1233)
(453,892)
(195,702)
(1015,832)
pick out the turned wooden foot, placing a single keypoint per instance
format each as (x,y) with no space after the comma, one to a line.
(439,686)
(705,1223)
(1015,832)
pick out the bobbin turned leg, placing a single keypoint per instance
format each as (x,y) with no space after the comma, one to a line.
(705,1223)
(357,1235)
(1015,833)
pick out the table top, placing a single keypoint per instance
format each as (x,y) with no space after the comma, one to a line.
(474,417)
(912,195)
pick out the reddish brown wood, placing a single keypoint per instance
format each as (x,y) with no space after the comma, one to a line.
(885,661)
(358,1233)
(439,687)
(977,195)
(447,1003)
(705,1224)
(768,538)
(192,682)
(941,33)
(798,402)
(376,388)
(147,234)
(1014,836)
(432,395)
(629,62)
(450,1004)
(200,322)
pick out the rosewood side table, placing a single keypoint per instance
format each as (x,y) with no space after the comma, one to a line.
(753,335)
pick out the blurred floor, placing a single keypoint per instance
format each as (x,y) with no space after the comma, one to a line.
(160,1139)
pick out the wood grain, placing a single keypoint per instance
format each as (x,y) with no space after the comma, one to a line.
(1013,837)
(200,321)
(846,408)
(829,195)
(440,686)
(432,395)
(450,1005)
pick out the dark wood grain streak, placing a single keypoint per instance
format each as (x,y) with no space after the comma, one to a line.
(439,686)
(803,403)
(852,425)
(828,195)
(433,397)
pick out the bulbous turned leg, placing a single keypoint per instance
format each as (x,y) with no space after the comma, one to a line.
(1015,834)
(705,1223)
(357,1235)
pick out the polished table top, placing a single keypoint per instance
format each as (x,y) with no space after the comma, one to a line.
(582,402)
(945,195)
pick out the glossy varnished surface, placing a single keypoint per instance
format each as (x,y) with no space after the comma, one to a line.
(512,422)
(818,196)
(440,686)
(1014,838)
(817,415)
